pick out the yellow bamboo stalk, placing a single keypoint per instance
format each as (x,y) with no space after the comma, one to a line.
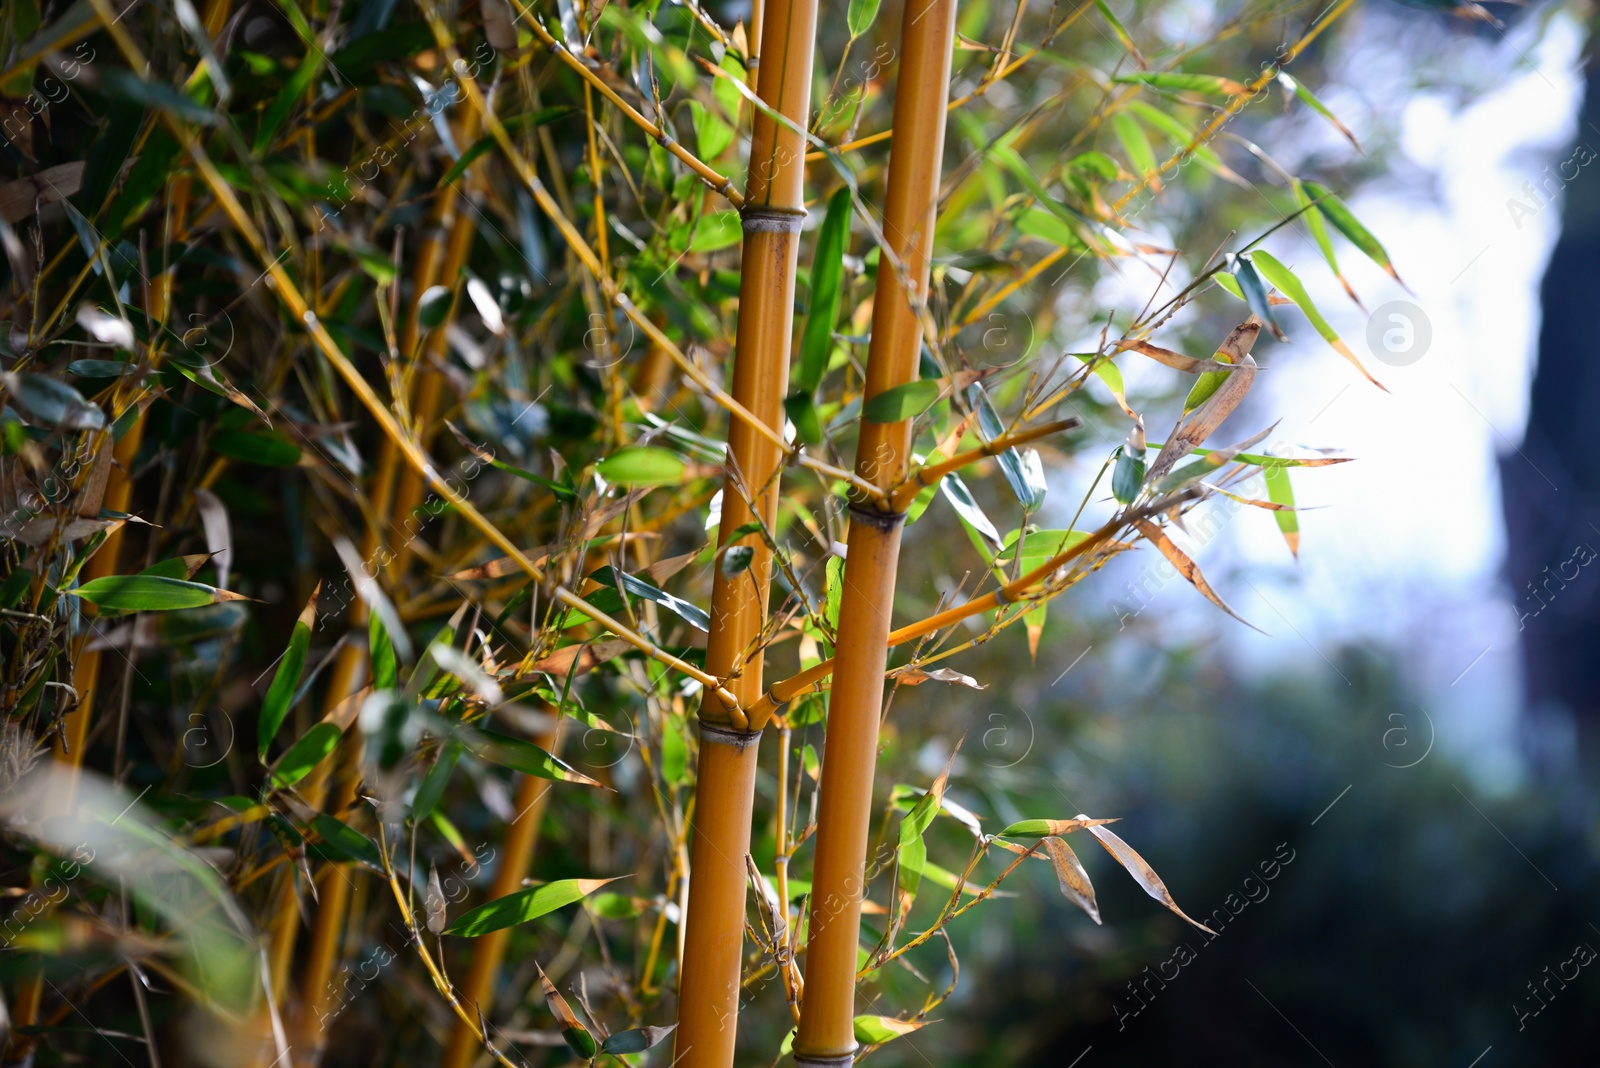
(397,489)
(516,852)
(448,216)
(826,1035)
(86,673)
(708,988)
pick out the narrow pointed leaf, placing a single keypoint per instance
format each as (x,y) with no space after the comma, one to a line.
(643,465)
(280,695)
(576,1035)
(1187,568)
(1137,145)
(955,491)
(1048,828)
(1345,221)
(1074,881)
(149,593)
(635,1039)
(311,749)
(523,906)
(859,16)
(1025,477)
(876,1030)
(1293,85)
(1279,275)
(518,755)
(342,842)
(827,283)
(1142,872)
(1233,349)
(1255,294)
(1279,491)
(899,403)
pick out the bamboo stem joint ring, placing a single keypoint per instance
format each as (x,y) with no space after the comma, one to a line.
(770,219)
(736,739)
(842,1060)
(878,520)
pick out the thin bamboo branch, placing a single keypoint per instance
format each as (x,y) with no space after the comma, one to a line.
(516,852)
(659,133)
(781,693)
(929,474)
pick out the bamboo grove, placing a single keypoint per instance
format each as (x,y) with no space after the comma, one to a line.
(493,494)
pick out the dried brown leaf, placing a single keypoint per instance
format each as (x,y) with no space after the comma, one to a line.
(1075,885)
(1188,568)
(1142,872)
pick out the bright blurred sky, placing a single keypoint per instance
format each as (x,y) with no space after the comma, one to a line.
(1407,543)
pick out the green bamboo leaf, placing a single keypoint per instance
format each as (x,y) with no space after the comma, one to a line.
(524,905)
(643,465)
(1013,162)
(1127,475)
(280,695)
(1280,276)
(1023,472)
(99,368)
(529,121)
(518,755)
(827,283)
(712,134)
(1255,295)
(635,1039)
(1120,30)
(1182,138)
(343,843)
(1279,491)
(380,653)
(1110,374)
(1180,82)
(716,230)
(1345,221)
(1135,143)
(124,120)
(159,95)
(577,1036)
(288,98)
(1230,283)
(1318,225)
(960,497)
(1293,85)
(149,593)
(433,783)
(50,400)
(311,749)
(691,614)
(860,16)
(145,179)
(835,590)
(268,448)
(905,401)
(876,1030)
